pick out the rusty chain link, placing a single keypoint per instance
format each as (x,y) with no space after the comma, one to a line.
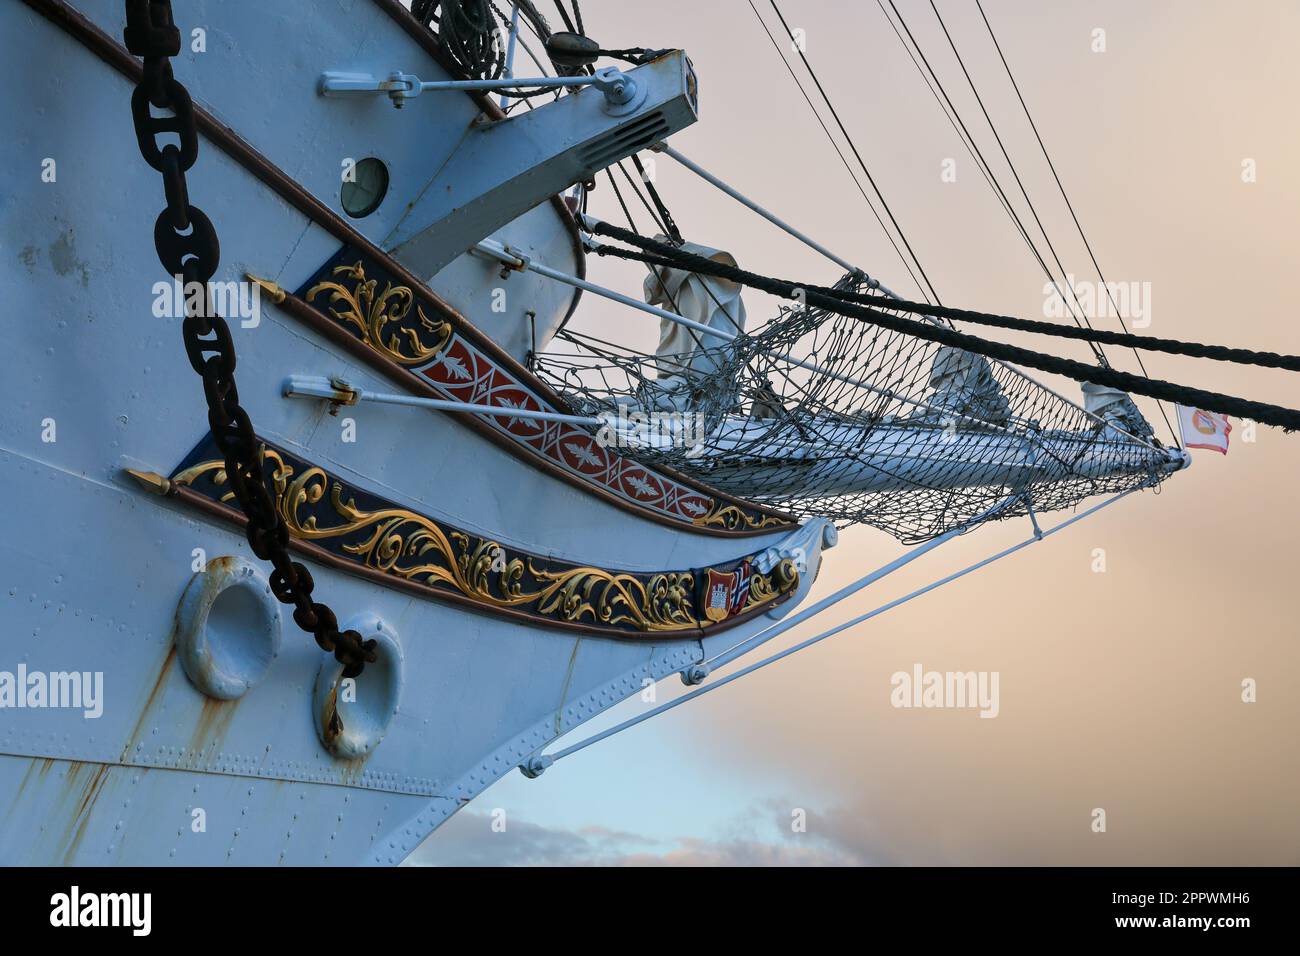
(187,246)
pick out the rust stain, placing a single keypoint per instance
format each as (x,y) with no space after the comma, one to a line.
(26,777)
(330,721)
(349,771)
(69,785)
(215,716)
(90,792)
(564,690)
(87,793)
(40,767)
(149,701)
(214,720)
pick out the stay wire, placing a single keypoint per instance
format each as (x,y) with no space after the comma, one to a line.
(1101,355)
(998,189)
(852,146)
(962,135)
(1068,205)
(839,152)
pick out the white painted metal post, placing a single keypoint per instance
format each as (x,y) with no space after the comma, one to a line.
(769,216)
(305,386)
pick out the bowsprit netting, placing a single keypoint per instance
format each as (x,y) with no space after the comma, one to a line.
(817,413)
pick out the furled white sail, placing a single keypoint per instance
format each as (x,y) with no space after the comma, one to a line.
(686,355)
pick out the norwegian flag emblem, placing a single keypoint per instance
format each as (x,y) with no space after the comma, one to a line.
(740,589)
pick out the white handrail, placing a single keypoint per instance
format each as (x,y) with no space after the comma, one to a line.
(310,386)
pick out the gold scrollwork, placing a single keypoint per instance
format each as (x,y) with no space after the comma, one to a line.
(663,603)
(369,314)
(733,517)
(765,588)
(406,544)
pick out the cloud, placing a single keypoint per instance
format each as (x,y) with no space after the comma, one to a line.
(756,837)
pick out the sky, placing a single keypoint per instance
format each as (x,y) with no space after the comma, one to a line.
(1121,644)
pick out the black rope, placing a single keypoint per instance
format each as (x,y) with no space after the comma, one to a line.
(564,15)
(465,33)
(670,226)
(1219,353)
(1286,418)
(654,216)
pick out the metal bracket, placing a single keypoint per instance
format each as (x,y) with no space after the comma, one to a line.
(399,87)
(623,94)
(696,674)
(535,766)
(521,263)
(335,390)
(1033,518)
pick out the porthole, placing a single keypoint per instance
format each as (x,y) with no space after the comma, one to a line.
(365,190)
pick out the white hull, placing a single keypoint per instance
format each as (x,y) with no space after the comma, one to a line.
(94,566)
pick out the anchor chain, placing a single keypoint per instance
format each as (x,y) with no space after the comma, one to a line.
(187,246)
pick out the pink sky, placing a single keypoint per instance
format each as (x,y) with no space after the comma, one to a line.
(1119,690)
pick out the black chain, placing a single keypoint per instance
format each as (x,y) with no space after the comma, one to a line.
(187,247)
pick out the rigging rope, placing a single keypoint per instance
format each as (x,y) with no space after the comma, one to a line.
(1068,205)
(839,152)
(1219,353)
(564,15)
(1101,356)
(665,217)
(983,164)
(1286,418)
(468,34)
(1171,346)
(465,31)
(852,146)
(961,135)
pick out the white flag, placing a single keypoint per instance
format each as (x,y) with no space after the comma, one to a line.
(1202,429)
